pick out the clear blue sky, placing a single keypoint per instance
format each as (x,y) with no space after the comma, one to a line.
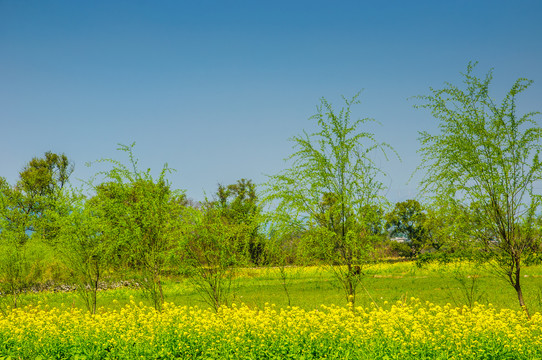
(216,88)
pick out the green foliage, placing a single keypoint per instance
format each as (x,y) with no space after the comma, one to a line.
(448,228)
(239,206)
(401,249)
(408,219)
(83,247)
(46,176)
(143,215)
(218,237)
(213,249)
(485,163)
(333,189)
(22,219)
(42,181)
(282,247)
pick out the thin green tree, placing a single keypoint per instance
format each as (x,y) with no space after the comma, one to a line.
(83,246)
(334,186)
(485,161)
(213,248)
(144,215)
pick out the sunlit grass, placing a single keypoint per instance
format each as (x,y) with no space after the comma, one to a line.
(310,287)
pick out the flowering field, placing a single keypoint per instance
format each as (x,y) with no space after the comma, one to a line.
(413,330)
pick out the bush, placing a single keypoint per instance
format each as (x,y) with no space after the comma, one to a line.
(400,249)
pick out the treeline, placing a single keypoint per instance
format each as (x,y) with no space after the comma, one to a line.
(326,208)
(134,222)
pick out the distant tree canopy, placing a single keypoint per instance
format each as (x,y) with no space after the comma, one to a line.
(46,176)
(239,204)
(408,219)
(23,215)
(39,186)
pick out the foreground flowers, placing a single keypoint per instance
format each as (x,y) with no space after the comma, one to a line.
(399,331)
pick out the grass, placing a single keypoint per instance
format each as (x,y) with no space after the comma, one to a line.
(310,287)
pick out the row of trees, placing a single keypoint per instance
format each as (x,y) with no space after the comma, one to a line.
(131,223)
(480,171)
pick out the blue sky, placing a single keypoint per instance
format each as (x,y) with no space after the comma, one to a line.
(216,88)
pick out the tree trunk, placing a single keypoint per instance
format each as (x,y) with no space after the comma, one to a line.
(283,277)
(351,292)
(350,288)
(517,287)
(95,289)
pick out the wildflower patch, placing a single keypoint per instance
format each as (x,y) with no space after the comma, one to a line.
(396,331)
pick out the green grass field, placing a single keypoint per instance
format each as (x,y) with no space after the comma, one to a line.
(310,287)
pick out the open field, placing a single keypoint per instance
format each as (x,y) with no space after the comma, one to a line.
(310,287)
(402,312)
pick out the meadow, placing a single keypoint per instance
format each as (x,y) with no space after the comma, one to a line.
(402,312)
